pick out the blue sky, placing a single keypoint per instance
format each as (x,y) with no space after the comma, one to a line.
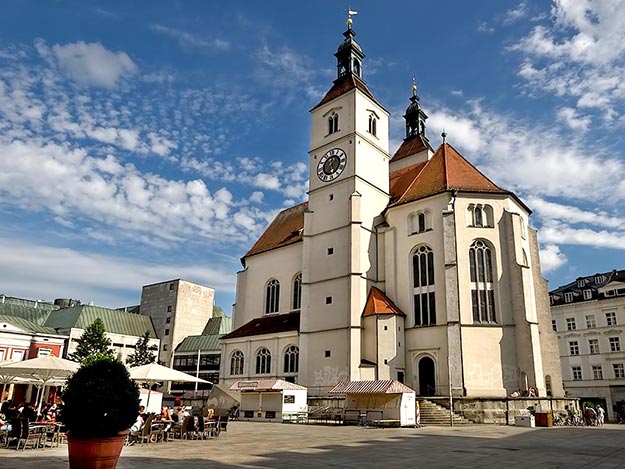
(145,141)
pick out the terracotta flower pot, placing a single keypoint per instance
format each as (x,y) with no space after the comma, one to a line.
(95,453)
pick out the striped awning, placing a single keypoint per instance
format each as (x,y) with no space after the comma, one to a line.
(266,385)
(389,386)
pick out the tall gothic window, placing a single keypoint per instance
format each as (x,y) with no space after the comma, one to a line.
(272,297)
(373,125)
(333,123)
(423,281)
(236,363)
(297,292)
(263,361)
(482,286)
(291,359)
(480,215)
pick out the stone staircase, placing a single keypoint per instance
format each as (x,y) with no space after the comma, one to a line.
(435,414)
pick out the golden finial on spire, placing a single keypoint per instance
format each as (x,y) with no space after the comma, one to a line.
(414,86)
(350,13)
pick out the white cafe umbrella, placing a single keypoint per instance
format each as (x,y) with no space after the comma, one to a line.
(155,373)
(43,370)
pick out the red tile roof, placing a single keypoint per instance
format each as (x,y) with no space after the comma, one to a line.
(285,229)
(380,304)
(401,179)
(267,325)
(447,170)
(343,85)
(411,146)
(389,386)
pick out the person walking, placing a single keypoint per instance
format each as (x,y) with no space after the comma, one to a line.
(600,415)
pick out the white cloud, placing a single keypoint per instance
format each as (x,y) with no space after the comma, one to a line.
(571,117)
(187,39)
(515,14)
(574,215)
(551,258)
(90,64)
(257,197)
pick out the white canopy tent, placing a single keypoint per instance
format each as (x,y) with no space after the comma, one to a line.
(154,373)
(41,371)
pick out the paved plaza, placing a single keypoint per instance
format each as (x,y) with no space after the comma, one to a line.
(267,445)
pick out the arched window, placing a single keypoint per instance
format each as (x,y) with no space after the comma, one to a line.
(272,297)
(482,286)
(478,218)
(373,125)
(291,359)
(423,281)
(236,363)
(356,67)
(333,123)
(548,387)
(297,292)
(481,216)
(419,222)
(263,361)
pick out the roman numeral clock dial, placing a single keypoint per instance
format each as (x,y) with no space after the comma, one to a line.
(331,165)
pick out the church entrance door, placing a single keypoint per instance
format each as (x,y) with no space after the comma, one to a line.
(427,380)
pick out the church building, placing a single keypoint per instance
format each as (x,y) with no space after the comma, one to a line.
(411,266)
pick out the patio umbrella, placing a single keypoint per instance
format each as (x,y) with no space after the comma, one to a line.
(42,370)
(155,373)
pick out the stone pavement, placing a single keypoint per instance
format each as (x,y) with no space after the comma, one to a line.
(271,445)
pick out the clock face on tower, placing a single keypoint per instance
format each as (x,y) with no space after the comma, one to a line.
(331,165)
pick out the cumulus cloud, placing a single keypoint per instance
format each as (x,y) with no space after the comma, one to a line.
(572,118)
(90,64)
(551,258)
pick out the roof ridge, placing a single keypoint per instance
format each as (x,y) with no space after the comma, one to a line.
(475,168)
(414,180)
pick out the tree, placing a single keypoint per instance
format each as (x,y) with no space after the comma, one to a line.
(93,343)
(143,354)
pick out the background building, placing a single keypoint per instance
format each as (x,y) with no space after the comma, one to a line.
(589,318)
(178,309)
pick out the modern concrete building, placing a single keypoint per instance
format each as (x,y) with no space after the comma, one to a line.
(588,316)
(411,266)
(178,309)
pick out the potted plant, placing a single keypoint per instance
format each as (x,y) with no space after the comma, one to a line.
(100,404)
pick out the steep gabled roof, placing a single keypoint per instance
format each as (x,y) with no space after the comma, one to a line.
(26,325)
(411,146)
(267,325)
(447,170)
(343,85)
(400,180)
(378,304)
(285,229)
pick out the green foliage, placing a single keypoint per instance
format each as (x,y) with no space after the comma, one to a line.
(93,344)
(100,400)
(144,352)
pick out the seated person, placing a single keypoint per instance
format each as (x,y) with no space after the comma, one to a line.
(138,425)
(210,414)
(29,413)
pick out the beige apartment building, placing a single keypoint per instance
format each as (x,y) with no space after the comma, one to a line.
(178,309)
(411,266)
(589,318)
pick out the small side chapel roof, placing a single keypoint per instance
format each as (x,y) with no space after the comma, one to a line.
(271,324)
(378,304)
(411,146)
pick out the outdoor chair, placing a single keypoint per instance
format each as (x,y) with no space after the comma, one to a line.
(53,435)
(32,436)
(201,428)
(181,430)
(223,424)
(143,434)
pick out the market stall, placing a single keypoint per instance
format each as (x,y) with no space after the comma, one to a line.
(273,400)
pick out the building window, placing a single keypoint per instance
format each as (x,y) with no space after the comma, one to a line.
(167,319)
(423,291)
(328,353)
(548,387)
(2,355)
(610,318)
(574,347)
(590,321)
(576,372)
(373,123)
(44,352)
(166,331)
(272,297)
(554,325)
(593,346)
(581,283)
(570,324)
(330,251)
(599,279)
(164,347)
(328,300)
(619,370)
(171,286)
(291,359)
(418,222)
(236,363)
(588,294)
(597,372)
(333,123)
(169,309)
(480,216)
(482,285)
(263,361)
(568,297)
(615,344)
(297,291)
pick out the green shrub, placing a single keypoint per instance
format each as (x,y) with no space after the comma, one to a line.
(100,400)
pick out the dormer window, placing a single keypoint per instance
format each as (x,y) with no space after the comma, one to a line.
(568,297)
(581,283)
(373,124)
(599,279)
(333,123)
(588,294)
(480,216)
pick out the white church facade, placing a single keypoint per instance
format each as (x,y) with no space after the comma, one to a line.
(411,266)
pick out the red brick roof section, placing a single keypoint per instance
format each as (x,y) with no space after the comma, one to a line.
(285,229)
(402,179)
(411,146)
(380,304)
(272,324)
(447,170)
(343,85)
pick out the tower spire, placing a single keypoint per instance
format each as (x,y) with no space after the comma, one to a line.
(349,54)
(414,116)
